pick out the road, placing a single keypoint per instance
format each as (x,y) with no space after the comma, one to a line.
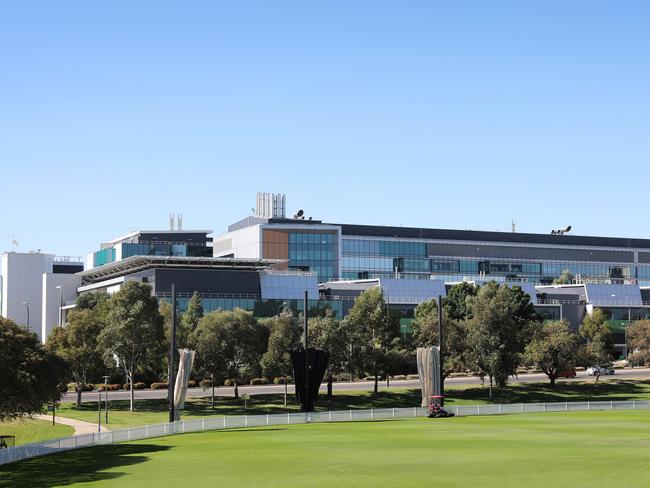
(636,373)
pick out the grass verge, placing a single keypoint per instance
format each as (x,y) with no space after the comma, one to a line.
(155,411)
(31,430)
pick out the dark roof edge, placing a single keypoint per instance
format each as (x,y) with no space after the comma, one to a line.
(474,235)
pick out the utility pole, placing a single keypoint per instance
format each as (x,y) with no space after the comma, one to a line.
(440,377)
(172,351)
(306,345)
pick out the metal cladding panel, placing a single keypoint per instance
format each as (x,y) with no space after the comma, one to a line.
(277,286)
(527,252)
(604,295)
(174,237)
(473,235)
(407,291)
(208,281)
(644,257)
(528,288)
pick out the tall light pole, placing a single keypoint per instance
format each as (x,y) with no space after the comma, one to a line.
(387,301)
(629,319)
(172,356)
(27,306)
(306,346)
(60,288)
(106,398)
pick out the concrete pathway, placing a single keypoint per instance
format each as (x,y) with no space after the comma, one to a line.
(80,427)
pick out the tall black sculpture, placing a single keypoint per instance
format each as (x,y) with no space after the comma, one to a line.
(316,366)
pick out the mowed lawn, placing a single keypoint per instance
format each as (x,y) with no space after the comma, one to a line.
(591,449)
(155,411)
(31,430)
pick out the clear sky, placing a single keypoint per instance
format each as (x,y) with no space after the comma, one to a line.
(453,115)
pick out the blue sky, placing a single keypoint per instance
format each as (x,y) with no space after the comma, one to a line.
(454,115)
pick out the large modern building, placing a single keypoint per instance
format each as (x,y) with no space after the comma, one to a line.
(266,261)
(350,251)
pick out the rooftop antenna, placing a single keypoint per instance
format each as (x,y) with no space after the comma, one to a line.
(171,221)
(14,243)
(179,225)
(514,226)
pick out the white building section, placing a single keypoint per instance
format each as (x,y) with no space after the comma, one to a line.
(22,275)
(59,295)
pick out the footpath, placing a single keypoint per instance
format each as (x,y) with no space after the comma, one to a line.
(80,427)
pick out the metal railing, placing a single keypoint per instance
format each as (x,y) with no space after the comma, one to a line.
(26,451)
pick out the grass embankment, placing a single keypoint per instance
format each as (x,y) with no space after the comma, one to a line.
(155,411)
(587,449)
(29,430)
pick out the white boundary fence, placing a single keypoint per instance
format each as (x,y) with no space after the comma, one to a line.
(25,451)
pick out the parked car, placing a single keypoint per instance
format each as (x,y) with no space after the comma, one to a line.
(599,371)
(569,373)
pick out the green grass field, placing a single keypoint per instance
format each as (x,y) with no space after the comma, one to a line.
(28,430)
(155,411)
(593,449)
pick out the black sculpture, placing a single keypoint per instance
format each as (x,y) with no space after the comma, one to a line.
(317,364)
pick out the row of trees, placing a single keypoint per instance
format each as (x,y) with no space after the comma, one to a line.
(491,330)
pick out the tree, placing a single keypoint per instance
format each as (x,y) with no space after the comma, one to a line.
(566,278)
(92,300)
(598,336)
(134,330)
(30,377)
(230,344)
(638,338)
(331,335)
(371,329)
(425,334)
(209,342)
(284,336)
(455,304)
(193,314)
(76,344)
(553,349)
(499,330)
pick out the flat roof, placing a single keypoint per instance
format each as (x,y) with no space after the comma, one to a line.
(477,235)
(134,264)
(138,232)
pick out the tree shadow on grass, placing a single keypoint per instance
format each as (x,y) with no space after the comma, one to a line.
(573,391)
(78,466)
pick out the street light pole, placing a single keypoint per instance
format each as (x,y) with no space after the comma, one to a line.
(27,306)
(106,398)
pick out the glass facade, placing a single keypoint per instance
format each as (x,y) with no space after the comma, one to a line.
(163,249)
(376,258)
(314,251)
(104,256)
(262,308)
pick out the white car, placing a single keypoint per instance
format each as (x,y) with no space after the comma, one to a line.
(599,371)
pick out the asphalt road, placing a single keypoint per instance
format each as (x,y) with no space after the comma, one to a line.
(636,373)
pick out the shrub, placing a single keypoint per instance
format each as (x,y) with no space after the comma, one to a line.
(412,377)
(191,384)
(111,386)
(86,387)
(205,384)
(259,381)
(159,386)
(229,382)
(279,380)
